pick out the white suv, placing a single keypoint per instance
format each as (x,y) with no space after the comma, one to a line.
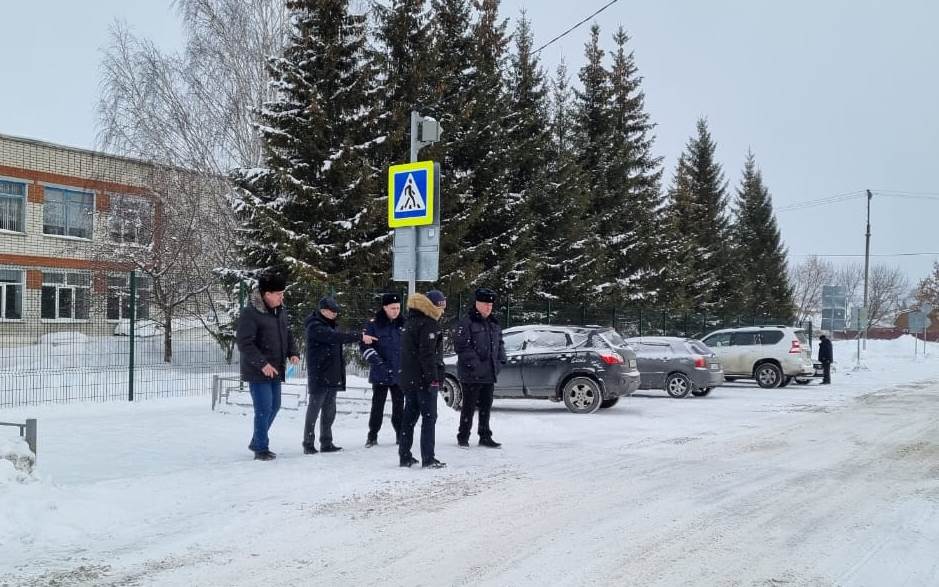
(772,355)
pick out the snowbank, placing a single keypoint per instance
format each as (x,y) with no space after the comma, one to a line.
(16,460)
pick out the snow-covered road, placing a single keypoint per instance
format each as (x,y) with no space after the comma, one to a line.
(813,485)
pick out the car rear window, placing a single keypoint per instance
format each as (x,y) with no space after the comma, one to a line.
(803,338)
(613,338)
(771,336)
(698,348)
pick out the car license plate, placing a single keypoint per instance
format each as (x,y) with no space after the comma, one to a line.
(715,366)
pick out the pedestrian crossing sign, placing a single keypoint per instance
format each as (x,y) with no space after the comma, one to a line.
(411,194)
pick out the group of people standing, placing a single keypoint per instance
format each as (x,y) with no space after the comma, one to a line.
(405,358)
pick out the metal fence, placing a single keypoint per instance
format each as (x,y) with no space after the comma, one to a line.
(122,346)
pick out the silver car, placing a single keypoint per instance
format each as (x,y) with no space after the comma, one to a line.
(678,365)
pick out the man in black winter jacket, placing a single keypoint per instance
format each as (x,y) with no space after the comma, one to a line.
(384,360)
(265,345)
(825,356)
(326,372)
(421,374)
(480,356)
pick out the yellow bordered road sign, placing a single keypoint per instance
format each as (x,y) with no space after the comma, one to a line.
(411,194)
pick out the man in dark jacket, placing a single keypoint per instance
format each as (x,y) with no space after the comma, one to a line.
(384,360)
(480,357)
(265,344)
(825,356)
(421,374)
(326,372)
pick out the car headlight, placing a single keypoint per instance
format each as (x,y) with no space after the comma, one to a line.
(632,363)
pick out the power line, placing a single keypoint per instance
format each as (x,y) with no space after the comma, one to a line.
(823,201)
(565,33)
(909,196)
(862,254)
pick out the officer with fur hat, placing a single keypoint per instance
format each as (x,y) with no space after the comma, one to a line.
(384,360)
(326,372)
(265,344)
(480,356)
(421,374)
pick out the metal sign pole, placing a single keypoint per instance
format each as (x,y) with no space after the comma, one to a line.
(412,274)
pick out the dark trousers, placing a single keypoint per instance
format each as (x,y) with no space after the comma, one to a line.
(421,403)
(266,400)
(475,396)
(379,393)
(826,371)
(322,403)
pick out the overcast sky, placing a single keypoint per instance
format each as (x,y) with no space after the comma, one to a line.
(832,96)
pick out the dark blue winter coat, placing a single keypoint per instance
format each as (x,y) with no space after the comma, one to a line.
(325,364)
(263,336)
(479,348)
(384,355)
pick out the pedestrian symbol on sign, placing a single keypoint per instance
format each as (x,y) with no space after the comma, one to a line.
(410,198)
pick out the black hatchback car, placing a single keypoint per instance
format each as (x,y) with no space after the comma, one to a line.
(587,368)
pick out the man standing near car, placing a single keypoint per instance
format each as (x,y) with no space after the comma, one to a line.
(326,372)
(825,356)
(265,345)
(480,357)
(421,374)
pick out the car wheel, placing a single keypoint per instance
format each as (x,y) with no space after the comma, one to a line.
(678,385)
(582,395)
(802,381)
(609,403)
(768,376)
(786,381)
(701,392)
(451,393)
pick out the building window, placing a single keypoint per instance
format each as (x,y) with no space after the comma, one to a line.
(65,295)
(130,220)
(12,206)
(11,294)
(118,306)
(67,212)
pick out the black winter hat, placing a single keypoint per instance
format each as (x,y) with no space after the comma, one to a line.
(436,296)
(484,294)
(271,282)
(390,298)
(329,303)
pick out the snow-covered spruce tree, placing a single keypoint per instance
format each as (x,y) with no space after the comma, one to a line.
(315,208)
(404,71)
(631,231)
(453,77)
(698,220)
(526,142)
(561,257)
(760,257)
(592,137)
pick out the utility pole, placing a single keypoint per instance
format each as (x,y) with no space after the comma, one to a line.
(867,264)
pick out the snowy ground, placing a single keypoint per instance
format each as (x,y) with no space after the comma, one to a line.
(835,485)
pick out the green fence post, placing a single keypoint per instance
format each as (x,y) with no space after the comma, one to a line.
(130,336)
(548,313)
(640,322)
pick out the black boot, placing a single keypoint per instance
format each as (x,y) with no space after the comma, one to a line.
(264,455)
(433,464)
(488,442)
(407,461)
(309,450)
(330,448)
(462,443)
(370,442)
